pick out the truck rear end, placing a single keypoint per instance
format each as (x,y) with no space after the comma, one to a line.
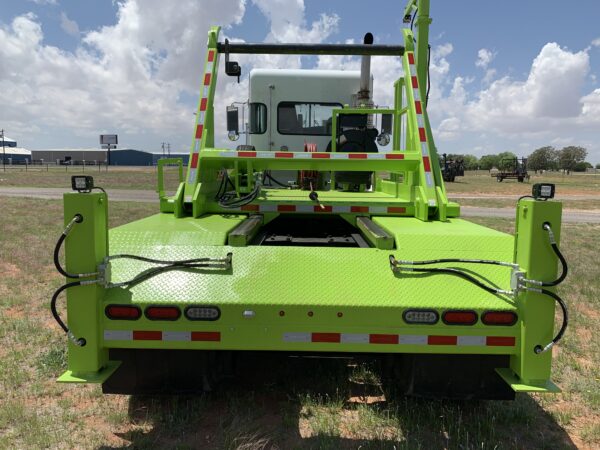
(354,250)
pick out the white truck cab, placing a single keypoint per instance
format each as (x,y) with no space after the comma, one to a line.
(291,107)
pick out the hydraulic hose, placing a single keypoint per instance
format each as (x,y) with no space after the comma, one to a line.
(563,261)
(209,263)
(455,272)
(395,262)
(77,218)
(77,341)
(565,322)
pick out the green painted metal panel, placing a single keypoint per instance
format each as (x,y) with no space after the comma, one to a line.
(272,275)
(534,254)
(90,377)
(85,248)
(518,385)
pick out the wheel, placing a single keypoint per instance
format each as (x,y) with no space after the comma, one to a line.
(520,179)
(499,178)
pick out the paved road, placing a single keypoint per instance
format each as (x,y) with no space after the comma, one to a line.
(146,196)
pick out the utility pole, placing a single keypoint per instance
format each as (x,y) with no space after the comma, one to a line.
(163,148)
(3,151)
(169,149)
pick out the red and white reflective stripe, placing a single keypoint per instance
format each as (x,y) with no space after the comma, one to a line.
(420,119)
(304,208)
(402,339)
(201,114)
(173,336)
(310,155)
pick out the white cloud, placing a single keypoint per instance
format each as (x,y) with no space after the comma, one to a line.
(484,58)
(127,78)
(68,26)
(288,22)
(596,42)
(45,2)
(551,91)
(547,106)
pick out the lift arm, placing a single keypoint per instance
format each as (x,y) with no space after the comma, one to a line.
(421,9)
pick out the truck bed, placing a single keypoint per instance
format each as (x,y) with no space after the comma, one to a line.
(309,276)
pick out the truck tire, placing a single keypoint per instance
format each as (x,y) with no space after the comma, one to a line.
(499,179)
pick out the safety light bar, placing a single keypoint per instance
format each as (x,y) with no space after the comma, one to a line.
(82,183)
(162,312)
(459,317)
(506,318)
(123,312)
(420,316)
(202,313)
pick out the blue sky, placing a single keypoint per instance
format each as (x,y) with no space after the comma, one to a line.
(508,75)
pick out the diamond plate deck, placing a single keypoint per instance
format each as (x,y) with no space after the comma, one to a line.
(307,276)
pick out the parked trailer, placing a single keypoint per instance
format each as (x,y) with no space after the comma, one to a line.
(312,242)
(513,168)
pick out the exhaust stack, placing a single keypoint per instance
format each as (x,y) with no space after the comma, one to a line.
(364,94)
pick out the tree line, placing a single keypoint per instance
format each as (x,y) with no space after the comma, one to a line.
(568,159)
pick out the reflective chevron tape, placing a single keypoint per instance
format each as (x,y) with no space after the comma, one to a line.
(310,155)
(174,336)
(420,120)
(402,339)
(201,114)
(304,208)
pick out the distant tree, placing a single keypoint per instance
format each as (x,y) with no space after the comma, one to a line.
(598,166)
(544,158)
(488,162)
(471,162)
(568,157)
(582,166)
(506,160)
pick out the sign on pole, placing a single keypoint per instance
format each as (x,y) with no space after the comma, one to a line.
(108,141)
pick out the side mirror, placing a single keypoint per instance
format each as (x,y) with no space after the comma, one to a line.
(386,123)
(386,129)
(232,123)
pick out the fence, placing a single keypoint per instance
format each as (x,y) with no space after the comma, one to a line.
(41,165)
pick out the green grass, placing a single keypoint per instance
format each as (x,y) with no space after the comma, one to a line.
(480,182)
(321,405)
(114,178)
(591,204)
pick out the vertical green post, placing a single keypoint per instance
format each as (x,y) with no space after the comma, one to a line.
(422,52)
(86,246)
(535,256)
(397,133)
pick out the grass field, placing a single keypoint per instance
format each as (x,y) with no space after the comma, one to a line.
(590,204)
(475,182)
(114,177)
(328,405)
(480,182)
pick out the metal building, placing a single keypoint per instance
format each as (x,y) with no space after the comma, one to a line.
(91,156)
(13,155)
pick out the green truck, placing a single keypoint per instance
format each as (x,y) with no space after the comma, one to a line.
(328,232)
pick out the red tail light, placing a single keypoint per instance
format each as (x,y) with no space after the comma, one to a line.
(459,317)
(505,318)
(123,312)
(162,312)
